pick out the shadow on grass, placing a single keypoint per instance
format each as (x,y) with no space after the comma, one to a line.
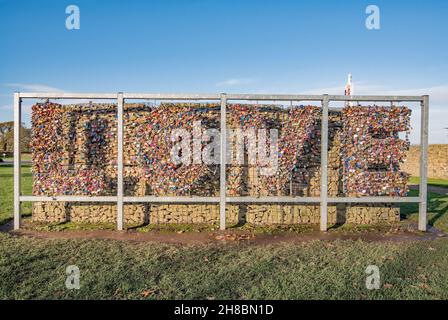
(437,207)
(336,226)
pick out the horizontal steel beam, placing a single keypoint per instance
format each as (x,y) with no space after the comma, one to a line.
(269,199)
(155,199)
(375,98)
(69,198)
(171,96)
(374,200)
(295,97)
(66,95)
(272,199)
(208,96)
(278,97)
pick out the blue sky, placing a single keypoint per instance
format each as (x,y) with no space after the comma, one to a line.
(227,46)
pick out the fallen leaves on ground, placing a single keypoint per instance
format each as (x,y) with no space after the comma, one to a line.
(148,292)
(233,237)
(424,286)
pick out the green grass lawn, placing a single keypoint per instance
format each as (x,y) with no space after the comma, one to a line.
(7,191)
(35,269)
(437,210)
(24,157)
(431,182)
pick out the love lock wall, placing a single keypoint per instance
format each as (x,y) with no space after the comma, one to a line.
(74,153)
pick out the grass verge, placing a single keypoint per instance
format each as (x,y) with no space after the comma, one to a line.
(431,182)
(7,191)
(437,210)
(35,269)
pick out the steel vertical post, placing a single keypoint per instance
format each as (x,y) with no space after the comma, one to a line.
(222,173)
(324,166)
(423,190)
(17,162)
(120,207)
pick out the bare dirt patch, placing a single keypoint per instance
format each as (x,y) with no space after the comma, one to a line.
(230,236)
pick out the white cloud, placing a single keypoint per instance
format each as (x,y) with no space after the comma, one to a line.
(235,82)
(33,87)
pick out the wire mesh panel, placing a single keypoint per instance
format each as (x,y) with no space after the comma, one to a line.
(373,151)
(74,153)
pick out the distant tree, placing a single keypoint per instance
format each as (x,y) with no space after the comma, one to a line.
(7,137)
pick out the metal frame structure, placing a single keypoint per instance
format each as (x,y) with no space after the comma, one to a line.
(222,200)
